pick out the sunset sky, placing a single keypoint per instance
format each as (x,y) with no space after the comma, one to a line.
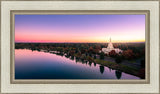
(79,28)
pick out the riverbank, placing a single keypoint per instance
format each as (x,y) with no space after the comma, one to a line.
(127,68)
(120,67)
(123,67)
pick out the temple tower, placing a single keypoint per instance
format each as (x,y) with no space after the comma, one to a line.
(110,45)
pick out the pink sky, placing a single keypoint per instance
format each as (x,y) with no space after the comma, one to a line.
(79,28)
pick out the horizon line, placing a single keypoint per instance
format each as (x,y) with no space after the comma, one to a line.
(79,42)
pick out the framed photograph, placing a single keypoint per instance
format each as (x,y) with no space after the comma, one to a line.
(79,47)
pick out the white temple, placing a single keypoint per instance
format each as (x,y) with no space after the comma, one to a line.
(110,48)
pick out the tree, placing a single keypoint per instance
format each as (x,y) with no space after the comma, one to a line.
(118,59)
(86,54)
(83,51)
(112,53)
(102,55)
(71,52)
(143,63)
(96,51)
(128,54)
(141,73)
(90,54)
(90,59)
(98,47)
(60,49)
(90,50)
(79,55)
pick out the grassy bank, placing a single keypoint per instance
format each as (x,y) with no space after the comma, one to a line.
(120,67)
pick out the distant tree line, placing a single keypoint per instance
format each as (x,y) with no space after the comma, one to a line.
(90,50)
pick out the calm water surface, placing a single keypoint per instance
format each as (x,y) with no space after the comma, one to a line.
(41,65)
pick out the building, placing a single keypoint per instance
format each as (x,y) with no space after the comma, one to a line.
(110,48)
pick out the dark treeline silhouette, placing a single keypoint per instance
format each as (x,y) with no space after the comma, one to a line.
(130,50)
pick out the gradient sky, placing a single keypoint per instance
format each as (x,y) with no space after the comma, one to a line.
(79,28)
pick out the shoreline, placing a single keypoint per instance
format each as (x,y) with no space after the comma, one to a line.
(112,65)
(115,66)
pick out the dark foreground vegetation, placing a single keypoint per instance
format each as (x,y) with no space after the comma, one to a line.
(131,60)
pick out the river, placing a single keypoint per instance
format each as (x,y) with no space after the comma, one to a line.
(42,65)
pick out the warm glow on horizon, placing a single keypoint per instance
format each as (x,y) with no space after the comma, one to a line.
(79,41)
(79,28)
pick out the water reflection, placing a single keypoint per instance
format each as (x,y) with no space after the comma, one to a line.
(101,69)
(46,65)
(90,63)
(118,74)
(95,64)
(72,57)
